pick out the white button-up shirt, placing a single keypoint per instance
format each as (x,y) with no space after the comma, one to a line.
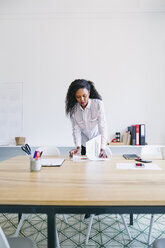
(89,122)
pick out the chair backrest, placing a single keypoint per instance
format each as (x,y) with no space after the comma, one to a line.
(3,240)
(49,150)
(108,151)
(151,152)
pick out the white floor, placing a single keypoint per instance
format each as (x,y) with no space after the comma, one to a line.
(107,230)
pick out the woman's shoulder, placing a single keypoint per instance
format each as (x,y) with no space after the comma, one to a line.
(96,102)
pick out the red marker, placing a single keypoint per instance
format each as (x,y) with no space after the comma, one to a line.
(139,165)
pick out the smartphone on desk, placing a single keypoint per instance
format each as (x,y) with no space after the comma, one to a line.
(142,160)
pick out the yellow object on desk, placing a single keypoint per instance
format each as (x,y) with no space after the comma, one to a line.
(20,141)
(116,144)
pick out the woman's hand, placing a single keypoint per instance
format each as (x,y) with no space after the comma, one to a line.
(75,151)
(102,154)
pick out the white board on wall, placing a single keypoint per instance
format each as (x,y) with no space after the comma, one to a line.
(11,112)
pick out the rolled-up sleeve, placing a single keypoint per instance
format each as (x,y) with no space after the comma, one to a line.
(76,132)
(102,125)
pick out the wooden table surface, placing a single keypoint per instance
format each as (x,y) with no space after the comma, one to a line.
(92,183)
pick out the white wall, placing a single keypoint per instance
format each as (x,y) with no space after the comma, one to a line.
(120,45)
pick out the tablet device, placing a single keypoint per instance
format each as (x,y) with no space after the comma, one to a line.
(130,156)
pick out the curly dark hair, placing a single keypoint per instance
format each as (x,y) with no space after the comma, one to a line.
(77,84)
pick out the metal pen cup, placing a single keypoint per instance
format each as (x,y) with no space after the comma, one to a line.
(35,165)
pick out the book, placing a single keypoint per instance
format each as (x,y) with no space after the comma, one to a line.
(137,135)
(133,135)
(142,134)
(130,130)
(125,137)
(129,138)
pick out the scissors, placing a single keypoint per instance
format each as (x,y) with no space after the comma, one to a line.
(26,148)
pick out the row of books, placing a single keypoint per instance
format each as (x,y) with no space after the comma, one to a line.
(135,135)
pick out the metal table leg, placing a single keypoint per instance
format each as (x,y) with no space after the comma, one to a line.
(19,217)
(51,227)
(131,219)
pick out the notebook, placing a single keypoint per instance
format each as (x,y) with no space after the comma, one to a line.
(54,162)
(130,156)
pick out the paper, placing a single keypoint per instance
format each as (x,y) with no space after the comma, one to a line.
(132,166)
(52,161)
(79,158)
(93,147)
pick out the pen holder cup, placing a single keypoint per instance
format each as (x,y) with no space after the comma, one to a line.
(35,165)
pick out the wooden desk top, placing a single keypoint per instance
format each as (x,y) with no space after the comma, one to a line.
(94,183)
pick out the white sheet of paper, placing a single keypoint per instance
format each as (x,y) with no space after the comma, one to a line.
(79,158)
(132,166)
(52,161)
(93,147)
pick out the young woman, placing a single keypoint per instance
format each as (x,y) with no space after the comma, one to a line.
(85,107)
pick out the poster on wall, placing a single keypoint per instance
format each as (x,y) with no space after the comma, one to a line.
(11,112)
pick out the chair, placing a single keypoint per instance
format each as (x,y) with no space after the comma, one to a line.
(151,152)
(47,151)
(90,226)
(159,243)
(20,242)
(109,153)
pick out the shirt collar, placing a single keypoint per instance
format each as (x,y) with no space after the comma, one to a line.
(88,105)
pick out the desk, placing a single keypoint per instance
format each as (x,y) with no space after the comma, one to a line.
(80,187)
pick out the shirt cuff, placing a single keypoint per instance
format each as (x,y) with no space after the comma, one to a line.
(103,147)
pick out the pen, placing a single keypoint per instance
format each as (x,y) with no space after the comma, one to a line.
(37,155)
(34,154)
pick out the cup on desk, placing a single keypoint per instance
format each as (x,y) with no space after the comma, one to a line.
(162,150)
(35,165)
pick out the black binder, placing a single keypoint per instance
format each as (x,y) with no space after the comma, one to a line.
(133,136)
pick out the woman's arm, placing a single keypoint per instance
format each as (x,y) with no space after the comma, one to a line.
(76,132)
(76,151)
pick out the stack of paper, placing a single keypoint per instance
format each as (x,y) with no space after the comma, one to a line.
(93,147)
